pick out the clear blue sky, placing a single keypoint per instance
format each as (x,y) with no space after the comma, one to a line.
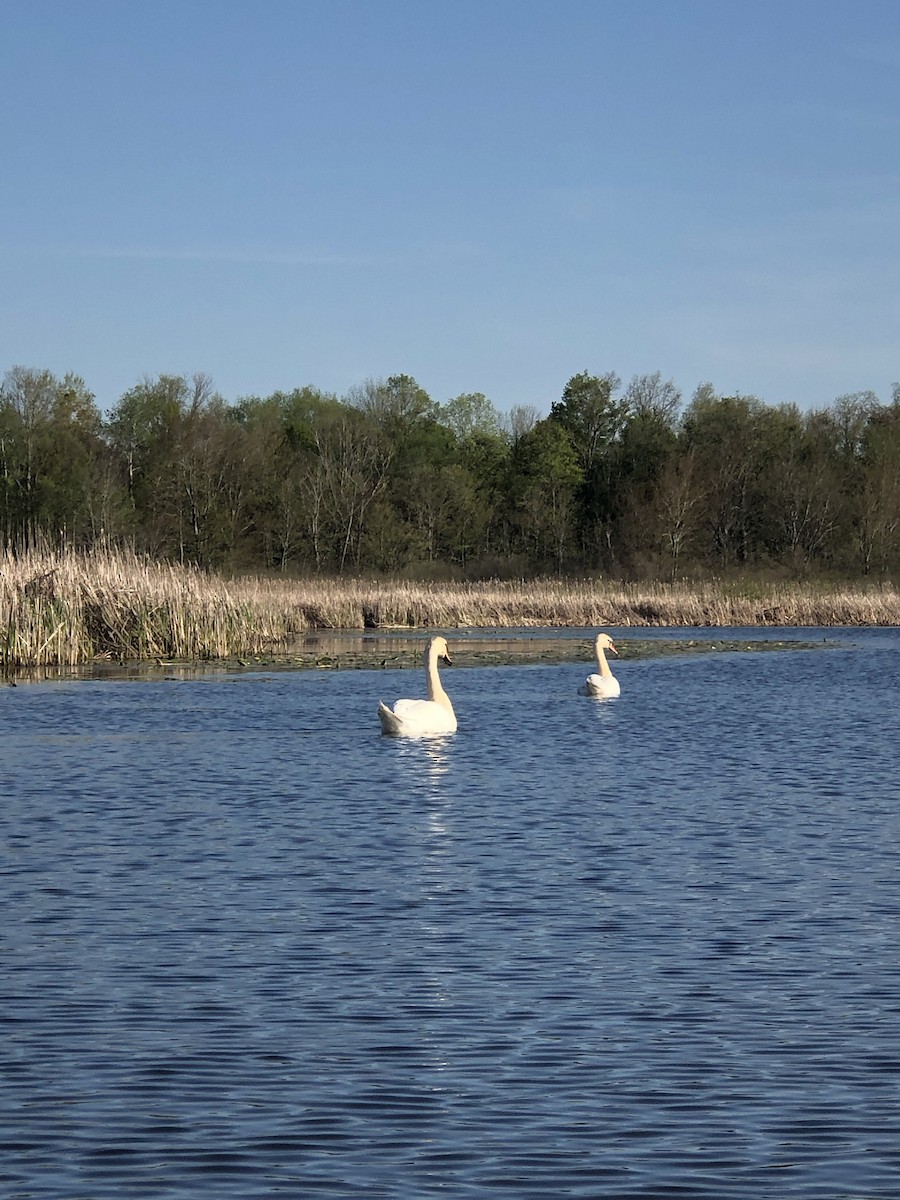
(490,195)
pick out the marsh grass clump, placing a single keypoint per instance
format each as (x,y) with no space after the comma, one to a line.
(65,609)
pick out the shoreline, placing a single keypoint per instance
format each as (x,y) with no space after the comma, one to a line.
(352,651)
(68,611)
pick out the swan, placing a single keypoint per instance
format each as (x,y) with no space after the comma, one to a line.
(603,683)
(413,718)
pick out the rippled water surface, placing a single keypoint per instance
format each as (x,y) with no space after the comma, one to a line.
(647,947)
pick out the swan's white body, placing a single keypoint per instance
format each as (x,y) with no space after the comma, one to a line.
(603,682)
(417,718)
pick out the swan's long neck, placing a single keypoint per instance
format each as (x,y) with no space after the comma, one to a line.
(603,667)
(435,690)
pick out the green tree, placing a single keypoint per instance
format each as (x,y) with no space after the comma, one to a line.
(82,493)
(50,448)
(878,506)
(593,418)
(288,486)
(27,398)
(863,487)
(144,429)
(485,528)
(591,415)
(722,433)
(214,484)
(798,488)
(546,476)
(406,420)
(469,414)
(397,403)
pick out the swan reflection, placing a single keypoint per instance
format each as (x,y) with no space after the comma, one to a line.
(603,708)
(427,762)
(430,755)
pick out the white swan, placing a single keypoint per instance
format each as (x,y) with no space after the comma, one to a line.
(603,683)
(414,718)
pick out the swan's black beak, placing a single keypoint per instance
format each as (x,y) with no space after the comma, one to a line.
(445,658)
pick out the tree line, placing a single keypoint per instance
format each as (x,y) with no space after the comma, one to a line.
(628,481)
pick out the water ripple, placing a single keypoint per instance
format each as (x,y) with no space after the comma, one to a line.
(645,948)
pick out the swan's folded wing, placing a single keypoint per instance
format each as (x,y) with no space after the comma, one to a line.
(426,715)
(414,717)
(601,685)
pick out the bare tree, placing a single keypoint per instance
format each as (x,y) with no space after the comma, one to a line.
(519,421)
(354,462)
(679,497)
(651,396)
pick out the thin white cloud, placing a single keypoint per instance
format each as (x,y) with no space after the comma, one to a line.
(242,256)
(249,256)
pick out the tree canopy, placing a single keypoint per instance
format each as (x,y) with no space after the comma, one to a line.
(628,481)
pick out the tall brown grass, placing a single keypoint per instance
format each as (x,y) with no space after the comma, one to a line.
(354,604)
(66,609)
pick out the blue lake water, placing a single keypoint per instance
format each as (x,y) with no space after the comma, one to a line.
(646,947)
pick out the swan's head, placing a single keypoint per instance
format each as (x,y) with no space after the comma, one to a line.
(605,642)
(441,650)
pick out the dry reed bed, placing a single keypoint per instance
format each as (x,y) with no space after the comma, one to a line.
(66,609)
(353,604)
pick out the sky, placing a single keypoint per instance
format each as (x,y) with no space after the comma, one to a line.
(488,195)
